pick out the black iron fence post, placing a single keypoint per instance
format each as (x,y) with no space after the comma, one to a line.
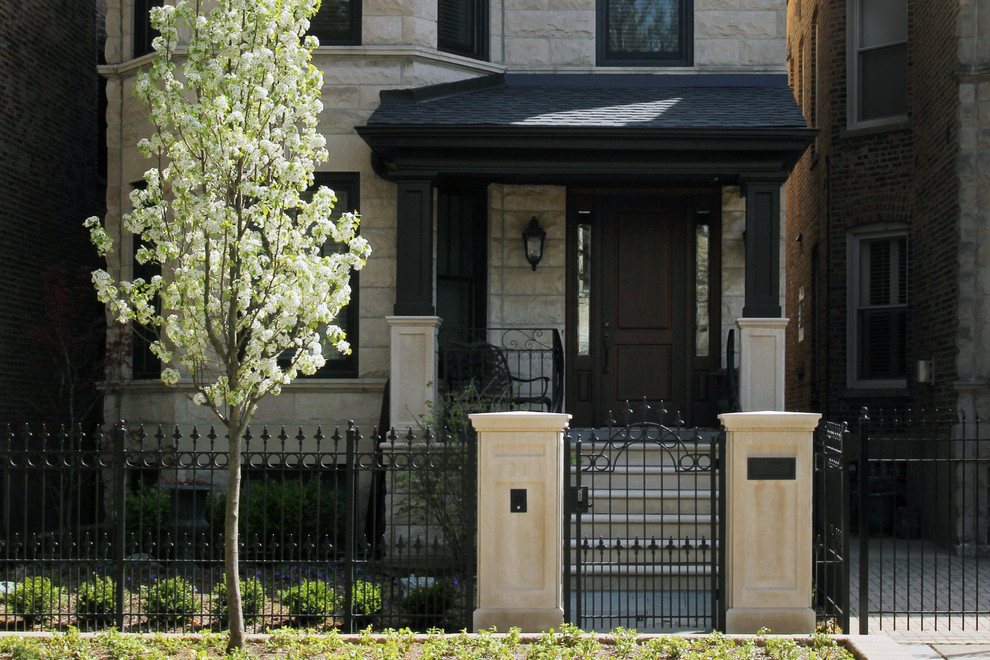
(350,518)
(118,461)
(864,521)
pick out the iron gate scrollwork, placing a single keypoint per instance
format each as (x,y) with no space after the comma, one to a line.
(643,525)
(831,525)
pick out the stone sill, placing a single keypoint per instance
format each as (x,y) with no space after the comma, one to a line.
(301,385)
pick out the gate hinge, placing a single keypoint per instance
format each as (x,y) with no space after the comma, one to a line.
(580,499)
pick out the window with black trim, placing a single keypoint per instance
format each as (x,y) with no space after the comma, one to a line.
(877,71)
(645,32)
(878,308)
(462,27)
(143,32)
(346,187)
(145,365)
(337,23)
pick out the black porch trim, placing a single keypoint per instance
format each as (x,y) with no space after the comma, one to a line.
(762,249)
(414,249)
(567,128)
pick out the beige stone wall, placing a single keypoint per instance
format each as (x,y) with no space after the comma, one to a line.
(518,295)
(561,34)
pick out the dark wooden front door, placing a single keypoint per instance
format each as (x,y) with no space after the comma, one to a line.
(634,308)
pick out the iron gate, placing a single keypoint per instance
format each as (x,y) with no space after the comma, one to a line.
(643,525)
(831,525)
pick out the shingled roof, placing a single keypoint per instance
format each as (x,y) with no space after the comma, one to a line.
(561,127)
(670,102)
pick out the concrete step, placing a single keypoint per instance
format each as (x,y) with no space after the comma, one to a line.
(619,501)
(643,477)
(668,551)
(643,525)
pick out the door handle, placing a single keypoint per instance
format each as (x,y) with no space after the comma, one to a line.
(606,345)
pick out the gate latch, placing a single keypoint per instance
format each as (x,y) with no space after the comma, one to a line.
(580,499)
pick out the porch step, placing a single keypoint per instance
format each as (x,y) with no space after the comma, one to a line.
(652,501)
(666,551)
(606,525)
(644,477)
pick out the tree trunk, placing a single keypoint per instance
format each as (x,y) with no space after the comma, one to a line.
(231,554)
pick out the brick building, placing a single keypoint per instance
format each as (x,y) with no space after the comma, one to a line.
(648,139)
(51,179)
(886,220)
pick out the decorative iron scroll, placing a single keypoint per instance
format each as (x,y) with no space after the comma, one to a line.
(687,450)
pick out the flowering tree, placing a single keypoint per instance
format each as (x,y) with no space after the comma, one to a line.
(248,288)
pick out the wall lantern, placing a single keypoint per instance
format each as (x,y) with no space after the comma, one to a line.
(533,238)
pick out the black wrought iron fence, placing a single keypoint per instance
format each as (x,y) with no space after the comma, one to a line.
(923,505)
(124,528)
(831,525)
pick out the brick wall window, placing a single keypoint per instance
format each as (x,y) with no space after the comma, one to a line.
(877,62)
(462,27)
(645,32)
(878,297)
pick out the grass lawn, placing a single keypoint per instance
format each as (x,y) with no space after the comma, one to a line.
(568,644)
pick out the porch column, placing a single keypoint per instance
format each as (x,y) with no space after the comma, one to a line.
(413,327)
(761,328)
(520,520)
(768,475)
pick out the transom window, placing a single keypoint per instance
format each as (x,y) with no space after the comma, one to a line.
(877,76)
(878,303)
(645,32)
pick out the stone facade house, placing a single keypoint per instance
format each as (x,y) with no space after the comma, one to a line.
(887,276)
(649,141)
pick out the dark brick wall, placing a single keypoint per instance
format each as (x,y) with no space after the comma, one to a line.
(49,174)
(854,178)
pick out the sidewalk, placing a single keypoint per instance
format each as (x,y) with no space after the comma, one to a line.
(909,583)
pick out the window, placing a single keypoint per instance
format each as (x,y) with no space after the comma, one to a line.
(645,32)
(143,33)
(878,296)
(462,27)
(346,187)
(145,365)
(337,23)
(877,62)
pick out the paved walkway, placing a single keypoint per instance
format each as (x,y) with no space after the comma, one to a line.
(919,577)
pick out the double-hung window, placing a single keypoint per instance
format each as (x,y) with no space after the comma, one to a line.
(878,299)
(877,62)
(346,187)
(645,32)
(462,27)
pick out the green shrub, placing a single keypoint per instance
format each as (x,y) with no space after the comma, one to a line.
(426,606)
(170,600)
(309,601)
(146,511)
(366,597)
(279,507)
(34,598)
(252,599)
(96,601)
